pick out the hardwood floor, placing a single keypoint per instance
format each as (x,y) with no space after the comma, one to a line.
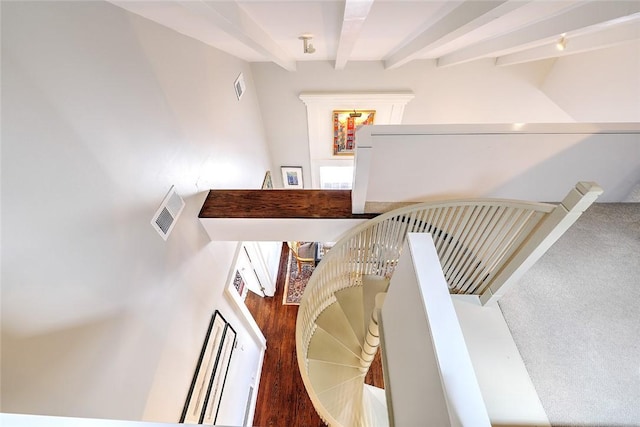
(282,399)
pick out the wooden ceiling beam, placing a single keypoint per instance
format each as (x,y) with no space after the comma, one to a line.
(355,14)
(458,21)
(232,19)
(579,17)
(576,44)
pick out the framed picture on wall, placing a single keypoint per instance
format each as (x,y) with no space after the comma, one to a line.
(205,393)
(267,183)
(345,125)
(292,176)
(238,284)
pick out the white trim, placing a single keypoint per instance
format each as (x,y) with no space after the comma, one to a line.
(361,178)
(233,296)
(389,107)
(430,374)
(245,315)
(310,98)
(256,387)
(507,390)
(505,128)
(26,420)
(253,327)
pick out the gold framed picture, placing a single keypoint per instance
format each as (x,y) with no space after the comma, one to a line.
(345,125)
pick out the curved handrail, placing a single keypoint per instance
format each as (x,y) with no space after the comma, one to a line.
(474,239)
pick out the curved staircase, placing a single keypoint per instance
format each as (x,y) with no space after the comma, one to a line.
(337,358)
(482,245)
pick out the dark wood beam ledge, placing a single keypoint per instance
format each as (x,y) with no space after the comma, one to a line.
(326,204)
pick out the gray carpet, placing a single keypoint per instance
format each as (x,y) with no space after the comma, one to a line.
(575,317)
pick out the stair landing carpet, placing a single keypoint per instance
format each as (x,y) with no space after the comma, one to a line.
(295,283)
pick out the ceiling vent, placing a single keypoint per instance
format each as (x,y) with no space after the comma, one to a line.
(167,214)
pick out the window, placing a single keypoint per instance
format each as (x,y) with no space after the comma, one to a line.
(336,177)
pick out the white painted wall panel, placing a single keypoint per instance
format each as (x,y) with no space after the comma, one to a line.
(270,229)
(102,111)
(430,374)
(537,162)
(478,92)
(598,86)
(506,387)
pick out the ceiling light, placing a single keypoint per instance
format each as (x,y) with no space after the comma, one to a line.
(306,44)
(561,44)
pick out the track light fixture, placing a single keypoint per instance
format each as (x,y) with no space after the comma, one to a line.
(306,44)
(561,44)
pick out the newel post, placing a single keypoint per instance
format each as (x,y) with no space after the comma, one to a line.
(550,229)
(372,338)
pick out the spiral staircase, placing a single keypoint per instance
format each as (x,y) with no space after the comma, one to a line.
(484,246)
(337,357)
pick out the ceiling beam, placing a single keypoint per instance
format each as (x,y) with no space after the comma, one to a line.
(574,19)
(355,13)
(576,44)
(469,16)
(232,19)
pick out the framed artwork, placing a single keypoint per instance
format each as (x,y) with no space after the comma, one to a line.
(205,393)
(238,284)
(292,176)
(239,86)
(345,125)
(267,183)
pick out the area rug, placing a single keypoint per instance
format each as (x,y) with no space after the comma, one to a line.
(295,283)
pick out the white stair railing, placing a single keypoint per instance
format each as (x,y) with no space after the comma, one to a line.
(482,244)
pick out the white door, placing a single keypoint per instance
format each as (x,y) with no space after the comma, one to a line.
(248,271)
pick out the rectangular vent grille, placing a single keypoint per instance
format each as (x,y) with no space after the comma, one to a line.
(247,409)
(164,220)
(167,214)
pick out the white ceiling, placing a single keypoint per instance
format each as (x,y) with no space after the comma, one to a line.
(397,31)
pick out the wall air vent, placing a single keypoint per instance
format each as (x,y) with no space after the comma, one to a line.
(247,409)
(167,214)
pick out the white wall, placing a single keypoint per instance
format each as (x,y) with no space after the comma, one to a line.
(536,162)
(598,86)
(388,107)
(102,112)
(478,92)
(428,371)
(285,229)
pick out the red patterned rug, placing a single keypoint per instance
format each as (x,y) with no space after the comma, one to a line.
(295,283)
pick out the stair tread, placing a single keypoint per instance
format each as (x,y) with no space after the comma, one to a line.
(334,321)
(325,347)
(326,375)
(333,357)
(377,393)
(350,300)
(375,411)
(343,402)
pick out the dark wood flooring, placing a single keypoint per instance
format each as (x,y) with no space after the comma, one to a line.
(282,399)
